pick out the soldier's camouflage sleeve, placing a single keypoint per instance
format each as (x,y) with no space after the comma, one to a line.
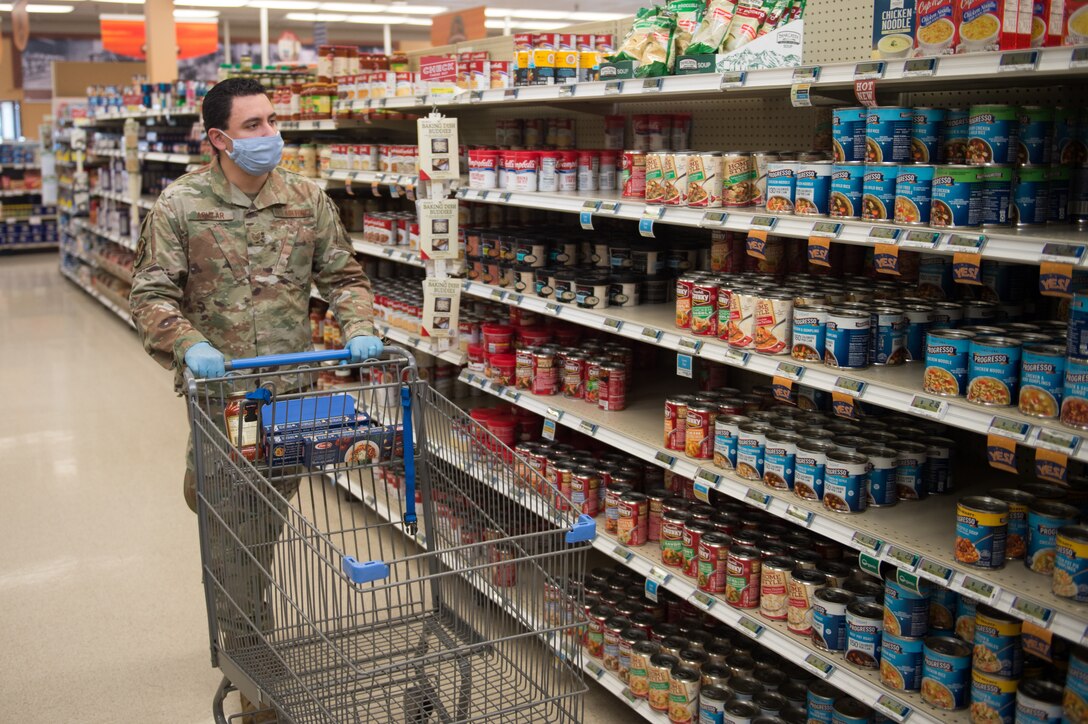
(158,281)
(339,277)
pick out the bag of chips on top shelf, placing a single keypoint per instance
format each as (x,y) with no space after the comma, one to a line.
(797,10)
(659,55)
(746,23)
(634,43)
(688,15)
(777,15)
(710,34)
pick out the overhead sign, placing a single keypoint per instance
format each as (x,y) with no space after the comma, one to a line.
(458,26)
(127,35)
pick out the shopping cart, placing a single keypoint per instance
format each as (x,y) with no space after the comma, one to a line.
(371,554)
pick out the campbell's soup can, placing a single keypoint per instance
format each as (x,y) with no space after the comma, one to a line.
(612,384)
(699,441)
(774,588)
(633,174)
(773,322)
(713,560)
(566,170)
(676,421)
(655,177)
(676,178)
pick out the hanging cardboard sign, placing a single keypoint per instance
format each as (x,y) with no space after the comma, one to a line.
(438,155)
(438,231)
(441,307)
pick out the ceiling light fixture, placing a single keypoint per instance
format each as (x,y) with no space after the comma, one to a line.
(283,4)
(353,7)
(317,17)
(551,15)
(377,20)
(405,9)
(44,9)
(525,24)
(213,3)
(193,13)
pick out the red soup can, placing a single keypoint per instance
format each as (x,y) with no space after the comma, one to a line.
(713,562)
(633,174)
(657,509)
(613,494)
(545,373)
(743,577)
(676,421)
(693,534)
(632,526)
(612,387)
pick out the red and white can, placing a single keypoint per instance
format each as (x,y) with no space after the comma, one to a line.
(658,132)
(574,376)
(713,562)
(633,522)
(545,373)
(504,574)
(743,577)
(567,170)
(693,534)
(612,387)
(525,167)
(589,169)
(483,170)
(633,174)
(676,422)
(606,178)
(548,173)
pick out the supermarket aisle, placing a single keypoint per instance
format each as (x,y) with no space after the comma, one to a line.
(101,606)
(99,579)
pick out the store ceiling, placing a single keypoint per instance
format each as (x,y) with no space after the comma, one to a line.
(410,20)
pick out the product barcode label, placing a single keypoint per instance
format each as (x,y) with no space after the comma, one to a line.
(701,600)
(613,324)
(610,207)
(622,553)
(821,666)
(966,243)
(591,206)
(665,459)
(865,540)
(764,222)
(903,558)
(553,308)
(928,407)
(660,575)
(514,299)
(1010,428)
(757,498)
(587,427)
(511,394)
(750,626)
(735,79)
(893,708)
(1037,612)
(1063,253)
(612,87)
(804,517)
(979,588)
(553,413)
(936,569)
(566,90)
(735,356)
(497,294)
(510,94)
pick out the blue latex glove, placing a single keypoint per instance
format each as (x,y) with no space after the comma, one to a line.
(205,361)
(364,348)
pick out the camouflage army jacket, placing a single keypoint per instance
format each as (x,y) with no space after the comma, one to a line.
(213,266)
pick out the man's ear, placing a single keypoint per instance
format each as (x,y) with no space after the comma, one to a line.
(218,141)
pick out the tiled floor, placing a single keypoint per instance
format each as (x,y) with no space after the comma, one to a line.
(102,613)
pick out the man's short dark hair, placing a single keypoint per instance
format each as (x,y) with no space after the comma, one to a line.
(220,99)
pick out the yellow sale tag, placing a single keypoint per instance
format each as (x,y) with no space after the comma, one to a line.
(1001,452)
(819,251)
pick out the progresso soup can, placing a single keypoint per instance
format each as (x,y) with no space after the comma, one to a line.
(829,618)
(848,134)
(1042,375)
(1075,700)
(982,525)
(900,661)
(813,187)
(887,134)
(864,626)
(781,186)
(947,352)
(956,197)
(946,671)
(844,482)
(1038,702)
(993,370)
(1045,519)
(906,611)
(993,698)
(880,475)
(997,647)
(914,194)
(847,187)
(1030,204)
(992,134)
(1074,410)
(809,467)
(1035,135)
(1016,542)
(847,339)
(996,195)
(957,123)
(1071,563)
(809,332)
(926,133)
(878,191)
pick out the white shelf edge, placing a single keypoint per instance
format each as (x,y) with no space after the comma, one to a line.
(124,316)
(392,253)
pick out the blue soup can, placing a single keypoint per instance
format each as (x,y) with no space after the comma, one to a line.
(919,321)
(888,338)
(927,131)
(1038,702)
(1036,134)
(913,194)
(1061,179)
(992,134)
(1071,563)
(957,197)
(957,123)
(848,134)
(996,195)
(910,465)
(780,459)
(906,611)
(947,315)
(993,371)
(1045,519)
(1075,701)
(878,192)
(781,186)
(820,702)
(1030,201)
(1075,393)
(998,649)
(809,332)
(847,339)
(993,698)
(813,189)
(809,466)
(847,185)
(887,134)
(937,472)
(946,670)
(864,627)
(942,611)
(829,618)
(844,482)
(1042,376)
(900,661)
(1077,341)
(880,475)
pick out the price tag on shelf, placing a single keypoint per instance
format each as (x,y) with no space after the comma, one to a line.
(701,600)
(928,407)
(790,371)
(852,387)
(800,95)
(684,365)
(622,553)
(750,626)
(893,708)
(829,229)
(714,219)
(548,432)
(1063,253)
(613,324)
(1033,611)
(483,195)
(505,197)
(566,90)
(665,459)
(806,74)
(510,94)
(712,479)
(758,498)
(659,574)
(497,295)
(553,413)
(734,356)
(865,92)
(475,96)
(1079,58)
(1013,429)
(799,514)
(652,85)
(651,333)
(646,222)
(980,588)
(735,79)
(903,558)
(884,234)
(766,223)
(610,207)
(594,669)
(920,239)
(693,345)
(820,665)
(701,490)
(1018,61)
(936,570)
(919,67)
(1056,440)
(511,394)
(515,299)
(631,697)
(553,308)
(613,87)
(866,541)
(869,69)
(587,427)
(965,243)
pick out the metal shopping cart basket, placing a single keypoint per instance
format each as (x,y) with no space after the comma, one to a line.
(372,554)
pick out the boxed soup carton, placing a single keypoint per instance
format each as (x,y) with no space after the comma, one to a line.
(989,25)
(893,28)
(935,27)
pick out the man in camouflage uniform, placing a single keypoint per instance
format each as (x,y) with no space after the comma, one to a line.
(224,268)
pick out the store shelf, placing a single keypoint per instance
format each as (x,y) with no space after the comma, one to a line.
(122,313)
(1026,246)
(83,224)
(147,202)
(43,246)
(393,253)
(112,196)
(9,193)
(32,220)
(453,356)
(325,125)
(106,152)
(109,267)
(185,159)
(916,537)
(646,561)
(894,388)
(19,166)
(331,179)
(154,114)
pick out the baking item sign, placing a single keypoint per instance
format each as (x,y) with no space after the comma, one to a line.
(439,159)
(893,29)
(441,307)
(438,231)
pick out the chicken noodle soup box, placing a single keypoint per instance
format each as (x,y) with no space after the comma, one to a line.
(893,28)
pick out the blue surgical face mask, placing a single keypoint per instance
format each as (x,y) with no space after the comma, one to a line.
(258,155)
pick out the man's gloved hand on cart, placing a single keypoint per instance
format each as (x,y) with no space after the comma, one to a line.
(363,348)
(205,361)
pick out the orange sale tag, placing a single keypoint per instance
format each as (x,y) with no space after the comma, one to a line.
(843,405)
(819,251)
(967,268)
(757,243)
(1051,466)
(886,259)
(782,390)
(1001,452)
(1055,279)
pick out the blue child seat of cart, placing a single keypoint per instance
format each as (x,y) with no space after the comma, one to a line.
(584,529)
(365,572)
(309,413)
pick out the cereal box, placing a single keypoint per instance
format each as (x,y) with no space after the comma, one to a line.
(934,27)
(987,25)
(893,28)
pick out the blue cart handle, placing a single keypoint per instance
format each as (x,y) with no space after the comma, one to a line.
(281,360)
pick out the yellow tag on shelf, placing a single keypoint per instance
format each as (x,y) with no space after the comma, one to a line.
(886,259)
(967,268)
(819,251)
(1001,452)
(757,243)
(1055,279)
(1051,466)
